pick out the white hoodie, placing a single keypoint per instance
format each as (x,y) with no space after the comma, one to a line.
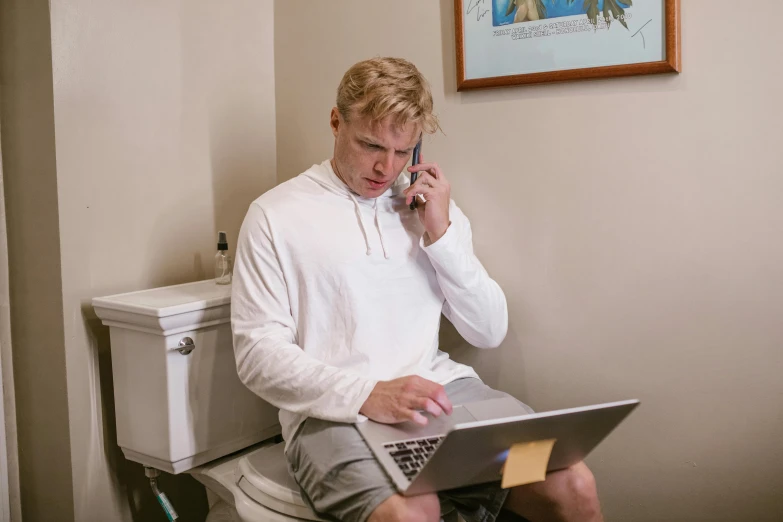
(334,292)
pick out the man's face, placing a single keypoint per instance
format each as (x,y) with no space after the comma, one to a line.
(368,156)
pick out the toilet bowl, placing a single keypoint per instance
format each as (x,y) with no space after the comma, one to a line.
(253,486)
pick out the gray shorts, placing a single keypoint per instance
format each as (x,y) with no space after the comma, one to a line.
(341,480)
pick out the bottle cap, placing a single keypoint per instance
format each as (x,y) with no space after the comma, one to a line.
(222,241)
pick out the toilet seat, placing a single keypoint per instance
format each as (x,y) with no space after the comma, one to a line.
(264,477)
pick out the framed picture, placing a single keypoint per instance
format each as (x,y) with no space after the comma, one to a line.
(513,42)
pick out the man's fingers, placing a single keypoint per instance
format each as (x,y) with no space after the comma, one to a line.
(424,185)
(438,395)
(416,417)
(422,395)
(425,193)
(431,168)
(424,179)
(430,406)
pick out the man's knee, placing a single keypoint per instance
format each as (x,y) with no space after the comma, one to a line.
(580,483)
(576,498)
(566,495)
(422,508)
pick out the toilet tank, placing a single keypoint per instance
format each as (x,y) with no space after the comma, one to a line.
(177,397)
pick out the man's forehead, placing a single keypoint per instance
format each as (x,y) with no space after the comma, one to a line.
(388,129)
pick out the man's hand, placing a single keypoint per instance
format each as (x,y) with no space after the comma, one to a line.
(433,185)
(398,400)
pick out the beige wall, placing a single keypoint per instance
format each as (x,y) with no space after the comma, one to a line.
(163,115)
(635,225)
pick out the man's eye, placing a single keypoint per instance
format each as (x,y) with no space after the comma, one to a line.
(372,146)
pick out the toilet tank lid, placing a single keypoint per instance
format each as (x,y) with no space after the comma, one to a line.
(168,300)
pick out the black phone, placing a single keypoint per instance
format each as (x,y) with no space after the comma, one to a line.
(414,175)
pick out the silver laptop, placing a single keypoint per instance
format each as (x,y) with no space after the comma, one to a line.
(470,445)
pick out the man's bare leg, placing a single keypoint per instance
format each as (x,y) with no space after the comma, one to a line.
(568,495)
(421,508)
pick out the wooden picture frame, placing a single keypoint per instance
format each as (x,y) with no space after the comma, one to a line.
(559,34)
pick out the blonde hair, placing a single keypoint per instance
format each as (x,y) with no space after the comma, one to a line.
(382,87)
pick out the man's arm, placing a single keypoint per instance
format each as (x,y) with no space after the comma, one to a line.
(268,361)
(475,303)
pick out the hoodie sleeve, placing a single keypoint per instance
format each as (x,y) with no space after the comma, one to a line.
(268,361)
(475,303)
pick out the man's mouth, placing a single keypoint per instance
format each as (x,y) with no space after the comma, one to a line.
(375,184)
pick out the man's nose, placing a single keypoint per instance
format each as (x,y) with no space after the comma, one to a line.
(385,163)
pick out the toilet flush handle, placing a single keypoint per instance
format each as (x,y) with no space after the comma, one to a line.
(186,345)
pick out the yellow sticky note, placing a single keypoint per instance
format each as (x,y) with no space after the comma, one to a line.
(527,463)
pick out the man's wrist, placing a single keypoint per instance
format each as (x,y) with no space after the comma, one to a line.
(430,238)
(364,404)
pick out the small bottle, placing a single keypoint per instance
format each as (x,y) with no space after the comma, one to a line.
(222,261)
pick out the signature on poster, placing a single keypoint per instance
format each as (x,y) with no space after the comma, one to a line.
(477,7)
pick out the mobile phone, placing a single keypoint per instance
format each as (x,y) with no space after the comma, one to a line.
(414,175)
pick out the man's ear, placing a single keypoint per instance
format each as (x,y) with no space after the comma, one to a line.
(334,121)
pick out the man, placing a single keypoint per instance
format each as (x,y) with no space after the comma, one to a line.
(338,292)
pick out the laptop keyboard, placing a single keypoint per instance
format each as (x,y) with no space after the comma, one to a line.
(410,455)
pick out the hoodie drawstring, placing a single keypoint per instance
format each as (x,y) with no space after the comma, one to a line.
(361,222)
(324,175)
(378,227)
(358,211)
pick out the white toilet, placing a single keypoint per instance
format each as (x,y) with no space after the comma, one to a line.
(180,406)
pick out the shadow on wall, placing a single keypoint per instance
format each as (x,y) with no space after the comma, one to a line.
(485,362)
(492,364)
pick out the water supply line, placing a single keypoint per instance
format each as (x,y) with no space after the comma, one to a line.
(153,475)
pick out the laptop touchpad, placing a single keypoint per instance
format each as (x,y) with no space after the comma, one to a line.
(461,414)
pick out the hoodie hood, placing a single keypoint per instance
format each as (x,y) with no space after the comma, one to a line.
(324,176)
